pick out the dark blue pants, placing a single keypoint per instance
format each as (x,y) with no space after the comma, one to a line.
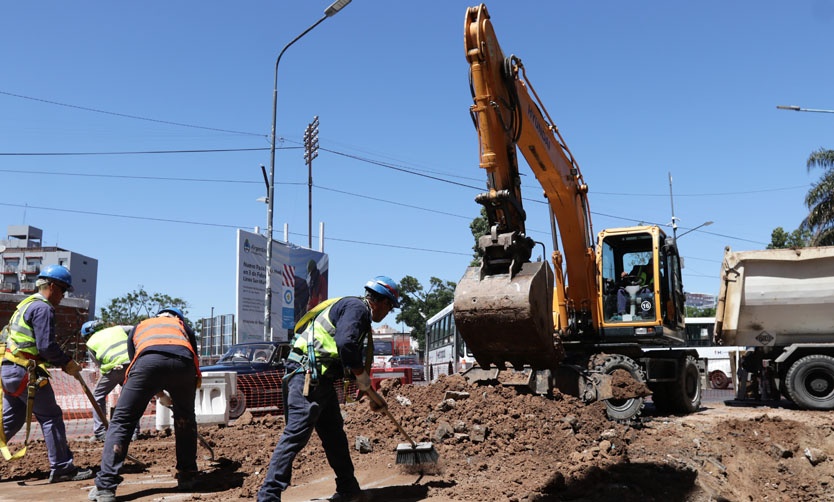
(319,411)
(151,373)
(46,411)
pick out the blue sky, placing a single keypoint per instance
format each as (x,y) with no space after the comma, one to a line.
(638,89)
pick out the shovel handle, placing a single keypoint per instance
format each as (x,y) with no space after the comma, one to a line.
(101,414)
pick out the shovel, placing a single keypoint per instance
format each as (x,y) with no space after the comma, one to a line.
(410,453)
(101,415)
(203,440)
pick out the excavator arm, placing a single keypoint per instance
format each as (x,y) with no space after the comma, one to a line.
(498,306)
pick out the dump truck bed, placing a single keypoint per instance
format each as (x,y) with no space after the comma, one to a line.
(776,297)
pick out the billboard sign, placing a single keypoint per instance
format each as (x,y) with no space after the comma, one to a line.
(298,281)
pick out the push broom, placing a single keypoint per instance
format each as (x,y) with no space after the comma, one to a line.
(411,453)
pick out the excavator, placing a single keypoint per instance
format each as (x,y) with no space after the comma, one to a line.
(606,323)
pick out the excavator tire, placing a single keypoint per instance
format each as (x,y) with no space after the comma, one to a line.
(685,395)
(622,409)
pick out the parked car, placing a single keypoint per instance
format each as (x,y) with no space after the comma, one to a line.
(410,361)
(259,367)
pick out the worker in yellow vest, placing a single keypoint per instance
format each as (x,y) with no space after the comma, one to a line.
(108,349)
(30,347)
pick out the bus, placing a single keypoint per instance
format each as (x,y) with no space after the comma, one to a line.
(446,352)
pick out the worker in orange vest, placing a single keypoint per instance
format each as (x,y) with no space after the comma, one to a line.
(163,355)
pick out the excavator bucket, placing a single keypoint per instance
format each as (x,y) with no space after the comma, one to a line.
(508,319)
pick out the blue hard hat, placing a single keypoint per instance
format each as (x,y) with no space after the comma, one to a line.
(173,310)
(90,327)
(57,273)
(385,286)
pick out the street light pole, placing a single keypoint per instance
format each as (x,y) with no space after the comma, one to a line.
(334,8)
(704,224)
(800,109)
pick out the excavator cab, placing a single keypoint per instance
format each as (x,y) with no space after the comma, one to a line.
(641,284)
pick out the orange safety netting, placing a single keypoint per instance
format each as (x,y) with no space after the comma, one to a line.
(260,393)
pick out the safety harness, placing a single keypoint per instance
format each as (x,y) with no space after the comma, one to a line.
(36,377)
(305,346)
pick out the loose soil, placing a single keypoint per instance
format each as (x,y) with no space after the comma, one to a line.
(496,444)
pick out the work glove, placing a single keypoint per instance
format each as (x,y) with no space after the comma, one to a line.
(164,399)
(363,381)
(72,368)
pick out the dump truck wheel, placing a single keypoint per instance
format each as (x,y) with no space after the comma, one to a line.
(237,405)
(687,390)
(623,409)
(718,380)
(810,382)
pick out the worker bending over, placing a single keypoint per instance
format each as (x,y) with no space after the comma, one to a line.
(108,349)
(327,346)
(163,354)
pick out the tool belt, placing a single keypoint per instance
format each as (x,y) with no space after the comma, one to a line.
(302,359)
(21,360)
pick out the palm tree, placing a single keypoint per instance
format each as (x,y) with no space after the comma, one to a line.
(820,200)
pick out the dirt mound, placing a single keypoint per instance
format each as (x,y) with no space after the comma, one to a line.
(497,444)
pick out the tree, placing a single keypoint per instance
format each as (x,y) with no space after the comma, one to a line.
(479,227)
(137,306)
(780,239)
(417,305)
(700,311)
(820,200)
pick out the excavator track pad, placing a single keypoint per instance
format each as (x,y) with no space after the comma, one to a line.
(508,319)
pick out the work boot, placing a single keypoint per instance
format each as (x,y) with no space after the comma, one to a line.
(347,497)
(75,474)
(100,495)
(186,481)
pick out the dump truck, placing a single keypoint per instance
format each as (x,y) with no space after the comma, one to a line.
(585,326)
(779,303)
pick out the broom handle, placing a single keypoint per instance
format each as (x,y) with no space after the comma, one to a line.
(381,402)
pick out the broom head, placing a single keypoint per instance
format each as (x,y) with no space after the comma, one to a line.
(417,453)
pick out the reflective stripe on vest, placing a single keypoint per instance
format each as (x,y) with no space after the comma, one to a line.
(110,348)
(323,333)
(21,340)
(161,331)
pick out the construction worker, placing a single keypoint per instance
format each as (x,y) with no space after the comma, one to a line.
(328,345)
(30,346)
(163,355)
(108,348)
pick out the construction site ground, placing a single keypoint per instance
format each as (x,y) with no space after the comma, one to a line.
(494,444)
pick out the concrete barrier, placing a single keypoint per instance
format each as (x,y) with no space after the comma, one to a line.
(211,403)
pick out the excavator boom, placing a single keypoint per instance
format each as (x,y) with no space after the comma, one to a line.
(509,308)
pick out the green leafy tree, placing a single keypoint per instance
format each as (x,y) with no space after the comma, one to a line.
(479,227)
(417,305)
(780,239)
(820,200)
(700,312)
(136,306)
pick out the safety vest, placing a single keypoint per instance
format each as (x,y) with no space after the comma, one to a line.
(20,342)
(317,329)
(158,331)
(110,347)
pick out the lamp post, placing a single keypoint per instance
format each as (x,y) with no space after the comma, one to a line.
(334,8)
(800,109)
(704,224)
